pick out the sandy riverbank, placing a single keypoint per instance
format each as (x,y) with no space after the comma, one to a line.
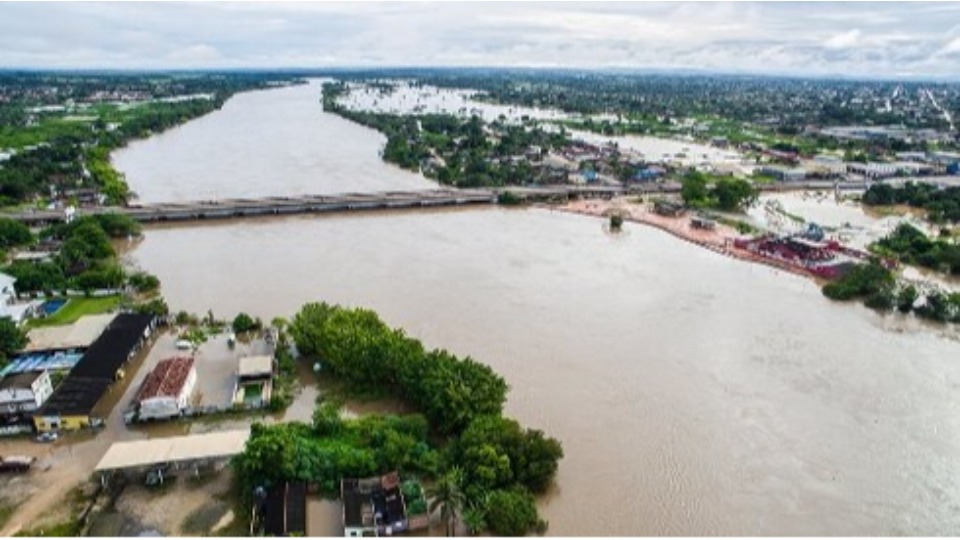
(720,239)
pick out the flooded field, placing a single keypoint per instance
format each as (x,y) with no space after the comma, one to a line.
(660,150)
(411,99)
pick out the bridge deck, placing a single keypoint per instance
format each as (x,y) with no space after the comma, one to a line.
(348,202)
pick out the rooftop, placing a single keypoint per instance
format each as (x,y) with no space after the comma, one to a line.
(76,396)
(286,509)
(142,453)
(72,336)
(112,349)
(255,365)
(365,498)
(42,361)
(167,379)
(20,380)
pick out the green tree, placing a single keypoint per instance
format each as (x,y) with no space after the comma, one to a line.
(906,298)
(446,496)
(863,280)
(511,513)
(694,189)
(475,518)
(144,282)
(37,277)
(84,245)
(117,225)
(243,323)
(734,194)
(13,233)
(496,452)
(156,307)
(12,339)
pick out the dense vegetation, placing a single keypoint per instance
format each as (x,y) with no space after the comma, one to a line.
(486,466)
(332,448)
(861,281)
(941,204)
(86,259)
(12,339)
(879,290)
(911,246)
(355,345)
(728,194)
(461,152)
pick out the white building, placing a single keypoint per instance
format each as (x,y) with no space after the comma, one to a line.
(166,391)
(873,170)
(8,300)
(784,174)
(24,392)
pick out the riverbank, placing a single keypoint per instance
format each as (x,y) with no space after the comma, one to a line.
(720,239)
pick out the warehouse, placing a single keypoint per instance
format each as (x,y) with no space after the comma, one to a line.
(166,391)
(72,404)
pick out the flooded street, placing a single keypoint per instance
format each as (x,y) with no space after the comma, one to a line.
(263,143)
(710,396)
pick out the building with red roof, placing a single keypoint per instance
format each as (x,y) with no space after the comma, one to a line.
(166,391)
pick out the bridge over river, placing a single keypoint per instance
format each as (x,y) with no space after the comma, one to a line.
(351,202)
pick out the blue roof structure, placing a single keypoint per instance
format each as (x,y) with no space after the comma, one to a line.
(41,362)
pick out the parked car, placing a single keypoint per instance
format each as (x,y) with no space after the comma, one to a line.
(16,463)
(49,436)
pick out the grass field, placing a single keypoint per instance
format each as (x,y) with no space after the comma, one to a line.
(75,308)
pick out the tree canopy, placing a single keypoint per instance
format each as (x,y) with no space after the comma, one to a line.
(12,339)
(357,346)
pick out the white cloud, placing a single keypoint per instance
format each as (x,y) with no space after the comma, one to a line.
(844,40)
(813,38)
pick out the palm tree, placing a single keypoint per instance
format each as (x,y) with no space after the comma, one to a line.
(446,496)
(474,518)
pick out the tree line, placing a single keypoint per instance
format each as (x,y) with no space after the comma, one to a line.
(486,468)
(941,204)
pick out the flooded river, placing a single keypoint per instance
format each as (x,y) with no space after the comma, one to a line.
(693,394)
(264,143)
(705,395)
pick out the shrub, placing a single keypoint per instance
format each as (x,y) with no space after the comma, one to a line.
(143,282)
(511,513)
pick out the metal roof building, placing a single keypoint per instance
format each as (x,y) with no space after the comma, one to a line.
(173,450)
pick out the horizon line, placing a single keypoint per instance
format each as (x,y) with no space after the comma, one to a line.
(607,69)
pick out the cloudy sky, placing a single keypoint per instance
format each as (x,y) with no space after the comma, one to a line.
(861,39)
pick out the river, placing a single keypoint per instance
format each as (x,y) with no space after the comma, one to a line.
(263,143)
(693,394)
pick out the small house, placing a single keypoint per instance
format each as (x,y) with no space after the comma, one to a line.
(24,392)
(254,381)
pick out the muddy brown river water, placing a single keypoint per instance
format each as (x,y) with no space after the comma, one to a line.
(693,394)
